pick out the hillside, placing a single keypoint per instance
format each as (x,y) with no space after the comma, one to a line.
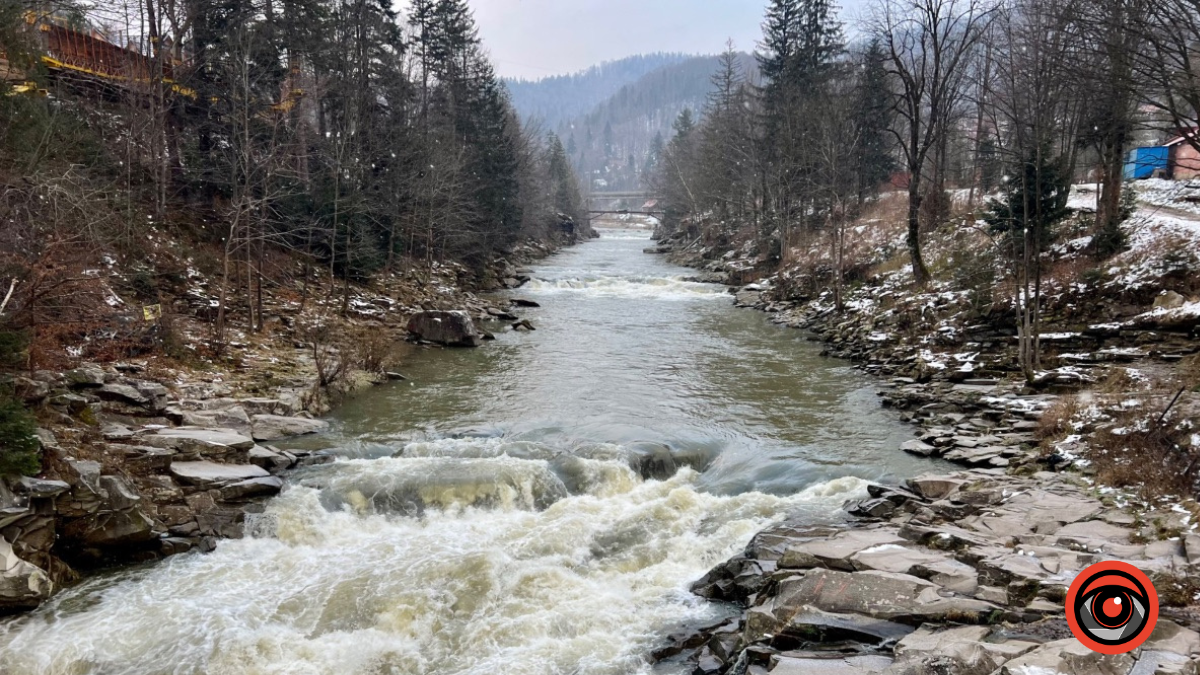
(615,140)
(555,100)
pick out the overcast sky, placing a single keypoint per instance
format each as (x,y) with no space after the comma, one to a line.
(537,38)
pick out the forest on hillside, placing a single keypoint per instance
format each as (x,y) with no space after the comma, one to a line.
(1008,100)
(336,132)
(553,101)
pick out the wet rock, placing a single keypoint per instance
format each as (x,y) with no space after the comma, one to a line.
(270,459)
(252,488)
(22,585)
(107,530)
(452,329)
(274,427)
(210,474)
(523,325)
(521,302)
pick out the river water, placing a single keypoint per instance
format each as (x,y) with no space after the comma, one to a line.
(537,506)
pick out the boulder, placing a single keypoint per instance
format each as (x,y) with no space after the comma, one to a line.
(934,488)
(836,552)
(252,488)
(22,585)
(122,393)
(918,448)
(210,474)
(452,329)
(269,459)
(275,427)
(1169,300)
(233,418)
(88,376)
(109,530)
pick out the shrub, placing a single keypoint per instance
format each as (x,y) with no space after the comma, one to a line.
(20,449)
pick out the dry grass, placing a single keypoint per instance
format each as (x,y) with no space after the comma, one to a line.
(1056,422)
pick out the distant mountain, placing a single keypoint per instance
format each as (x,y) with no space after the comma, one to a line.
(555,100)
(610,143)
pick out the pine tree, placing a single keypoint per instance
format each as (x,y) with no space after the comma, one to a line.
(872,119)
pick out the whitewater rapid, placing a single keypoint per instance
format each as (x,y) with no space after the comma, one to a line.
(538,506)
(504,571)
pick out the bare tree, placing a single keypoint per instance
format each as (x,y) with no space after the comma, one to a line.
(930,45)
(1169,64)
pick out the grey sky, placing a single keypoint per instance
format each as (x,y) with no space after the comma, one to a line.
(537,38)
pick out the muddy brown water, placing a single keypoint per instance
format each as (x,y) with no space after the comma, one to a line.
(539,505)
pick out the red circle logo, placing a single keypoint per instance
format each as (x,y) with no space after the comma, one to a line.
(1112,607)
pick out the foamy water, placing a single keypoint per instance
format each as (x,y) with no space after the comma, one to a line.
(507,574)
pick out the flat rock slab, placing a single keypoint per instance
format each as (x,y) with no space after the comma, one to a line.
(212,474)
(835,552)
(883,595)
(206,437)
(842,665)
(276,427)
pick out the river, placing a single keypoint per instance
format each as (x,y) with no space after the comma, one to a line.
(486,515)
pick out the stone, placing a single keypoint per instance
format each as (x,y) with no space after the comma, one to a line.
(233,418)
(1169,300)
(837,665)
(269,459)
(918,448)
(811,624)
(22,584)
(934,488)
(1067,657)
(87,376)
(252,488)
(191,437)
(122,393)
(883,595)
(836,551)
(210,474)
(895,558)
(121,496)
(452,329)
(275,427)
(521,302)
(36,488)
(109,530)
(964,650)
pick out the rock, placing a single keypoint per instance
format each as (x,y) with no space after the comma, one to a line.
(122,393)
(233,418)
(22,584)
(1169,300)
(191,438)
(87,376)
(251,488)
(269,459)
(1067,657)
(452,329)
(210,474)
(964,651)
(836,551)
(521,302)
(813,625)
(121,497)
(109,530)
(274,427)
(524,324)
(883,595)
(395,377)
(918,448)
(266,406)
(835,665)
(36,488)
(934,488)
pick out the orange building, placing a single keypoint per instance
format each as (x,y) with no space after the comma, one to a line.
(1184,158)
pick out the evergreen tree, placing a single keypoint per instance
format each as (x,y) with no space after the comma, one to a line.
(872,117)
(1034,201)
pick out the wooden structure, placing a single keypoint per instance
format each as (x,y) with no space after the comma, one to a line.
(1184,158)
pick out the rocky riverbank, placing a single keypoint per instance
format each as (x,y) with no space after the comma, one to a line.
(960,574)
(967,573)
(157,455)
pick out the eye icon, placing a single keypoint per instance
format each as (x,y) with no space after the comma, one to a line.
(1112,607)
